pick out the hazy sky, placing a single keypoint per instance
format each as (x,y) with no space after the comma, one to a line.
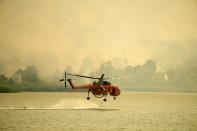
(54,33)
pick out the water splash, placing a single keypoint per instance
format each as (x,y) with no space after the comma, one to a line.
(63,104)
(74,104)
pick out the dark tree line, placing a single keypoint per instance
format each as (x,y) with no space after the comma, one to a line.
(143,77)
(147,76)
(5,80)
(29,75)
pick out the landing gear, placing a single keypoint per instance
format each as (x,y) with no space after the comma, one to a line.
(88,98)
(105,98)
(114,98)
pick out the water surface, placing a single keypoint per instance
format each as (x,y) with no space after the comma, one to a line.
(71,111)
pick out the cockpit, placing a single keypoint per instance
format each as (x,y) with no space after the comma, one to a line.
(106,83)
(102,83)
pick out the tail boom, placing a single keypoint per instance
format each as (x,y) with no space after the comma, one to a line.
(71,83)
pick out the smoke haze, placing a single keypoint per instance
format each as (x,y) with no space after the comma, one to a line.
(83,34)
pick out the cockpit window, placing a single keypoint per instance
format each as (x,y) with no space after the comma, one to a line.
(103,83)
(94,83)
(106,83)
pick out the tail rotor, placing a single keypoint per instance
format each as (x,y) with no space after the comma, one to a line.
(64,79)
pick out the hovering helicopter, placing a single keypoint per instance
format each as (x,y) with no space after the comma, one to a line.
(99,89)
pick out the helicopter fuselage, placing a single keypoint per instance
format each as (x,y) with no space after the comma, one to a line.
(98,89)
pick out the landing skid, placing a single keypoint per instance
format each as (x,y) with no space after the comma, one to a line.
(88,98)
(98,96)
(105,98)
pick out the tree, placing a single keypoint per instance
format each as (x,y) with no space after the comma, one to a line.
(30,74)
(3,78)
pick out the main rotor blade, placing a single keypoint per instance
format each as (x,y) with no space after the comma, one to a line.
(83,76)
(101,78)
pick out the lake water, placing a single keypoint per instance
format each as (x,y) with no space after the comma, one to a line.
(72,112)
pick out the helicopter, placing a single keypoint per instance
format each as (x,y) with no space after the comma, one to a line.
(100,88)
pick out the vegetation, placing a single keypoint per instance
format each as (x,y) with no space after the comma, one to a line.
(146,77)
(27,80)
(143,77)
